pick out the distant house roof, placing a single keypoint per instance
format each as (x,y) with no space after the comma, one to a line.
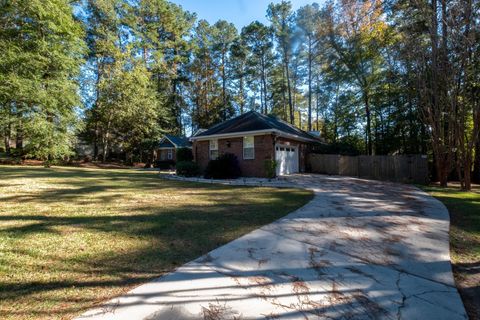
(198,132)
(253,122)
(170,141)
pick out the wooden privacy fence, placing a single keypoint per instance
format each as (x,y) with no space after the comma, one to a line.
(401,168)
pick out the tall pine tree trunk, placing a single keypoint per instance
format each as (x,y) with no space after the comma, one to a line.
(105,147)
(467,173)
(264,85)
(284,97)
(224,88)
(368,132)
(6,139)
(242,95)
(19,139)
(106,140)
(310,58)
(95,142)
(476,164)
(317,101)
(289,89)
(7,134)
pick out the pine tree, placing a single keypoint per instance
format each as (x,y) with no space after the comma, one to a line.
(258,40)
(238,58)
(161,30)
(205,89)
(224,35)
(282,19)
(308,20)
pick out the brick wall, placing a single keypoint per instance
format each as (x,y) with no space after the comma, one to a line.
(264,149)
(162,154)
(200,153)
(250,168)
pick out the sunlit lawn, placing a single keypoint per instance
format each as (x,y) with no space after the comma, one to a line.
(71,238)
(464,208)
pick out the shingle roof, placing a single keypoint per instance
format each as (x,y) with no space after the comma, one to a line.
(254,121)
(165,143)
(179,142)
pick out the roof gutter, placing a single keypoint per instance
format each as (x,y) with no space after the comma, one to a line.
(232,134)
(254,132)
(294,136)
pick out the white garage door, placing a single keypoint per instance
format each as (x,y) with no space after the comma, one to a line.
(287,159)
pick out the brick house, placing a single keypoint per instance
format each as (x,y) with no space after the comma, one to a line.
(255,138)
(168,146)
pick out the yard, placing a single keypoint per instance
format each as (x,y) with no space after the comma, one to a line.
(73,237)
(464,208)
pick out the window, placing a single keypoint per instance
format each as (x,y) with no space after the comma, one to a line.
(213,149)
(170,154)
(248,148)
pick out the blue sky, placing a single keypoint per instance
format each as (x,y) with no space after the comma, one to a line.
(240,12)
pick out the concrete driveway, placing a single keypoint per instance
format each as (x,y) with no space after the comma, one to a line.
(359,250)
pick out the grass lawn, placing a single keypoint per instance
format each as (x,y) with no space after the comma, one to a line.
(464,208)
(72,237)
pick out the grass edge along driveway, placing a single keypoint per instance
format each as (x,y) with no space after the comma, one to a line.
(71,238)
(464,208)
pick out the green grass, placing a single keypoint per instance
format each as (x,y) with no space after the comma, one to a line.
(71,238)
(464,208)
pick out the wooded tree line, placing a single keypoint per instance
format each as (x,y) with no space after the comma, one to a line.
(374,77)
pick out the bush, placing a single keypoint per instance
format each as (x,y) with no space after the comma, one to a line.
(165,164)
(270,168)
(225,167)
(187,169)
(184,154)
(16,153)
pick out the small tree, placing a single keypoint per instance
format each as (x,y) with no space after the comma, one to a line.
(49,140)
(270,168)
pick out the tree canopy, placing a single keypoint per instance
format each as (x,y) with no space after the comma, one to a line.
(374,77)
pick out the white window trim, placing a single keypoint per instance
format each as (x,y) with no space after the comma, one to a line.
(214,148)
(252,147)
(170,154)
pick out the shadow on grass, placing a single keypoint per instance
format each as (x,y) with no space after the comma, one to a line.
(75,183)
(160,236)
(174,236)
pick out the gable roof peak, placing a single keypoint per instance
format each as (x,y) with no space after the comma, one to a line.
(177,141)
(251,122)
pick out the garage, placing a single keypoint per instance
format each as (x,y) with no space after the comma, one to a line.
(256,139)
(287,159)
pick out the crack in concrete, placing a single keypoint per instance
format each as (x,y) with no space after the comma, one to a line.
(404,297)
(436,305)
(361,259)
